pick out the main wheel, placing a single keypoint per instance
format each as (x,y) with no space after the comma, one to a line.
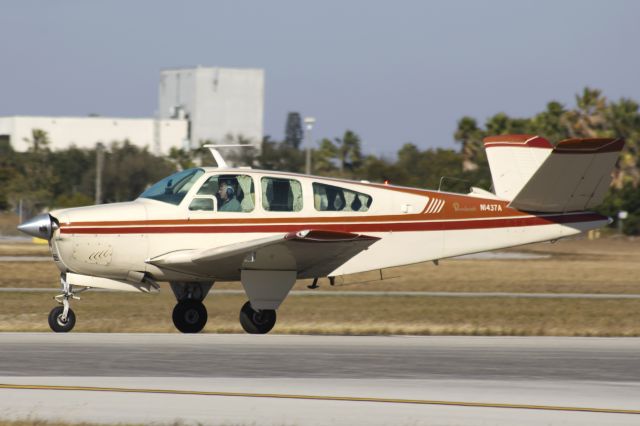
(257,322)
(59,325)
(189,316)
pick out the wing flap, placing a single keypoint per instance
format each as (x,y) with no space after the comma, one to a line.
(311,253)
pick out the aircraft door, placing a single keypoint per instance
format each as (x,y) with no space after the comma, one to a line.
(229,193)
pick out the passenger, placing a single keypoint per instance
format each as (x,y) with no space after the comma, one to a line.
(228,200)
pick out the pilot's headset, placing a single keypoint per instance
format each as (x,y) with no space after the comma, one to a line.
(230,191)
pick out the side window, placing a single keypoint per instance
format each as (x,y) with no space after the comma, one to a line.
(232,193)
(201,203)
(333,198)
(281,195)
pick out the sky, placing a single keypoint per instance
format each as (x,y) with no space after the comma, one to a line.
(392,71)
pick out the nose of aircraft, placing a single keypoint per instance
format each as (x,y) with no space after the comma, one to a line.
(41,226)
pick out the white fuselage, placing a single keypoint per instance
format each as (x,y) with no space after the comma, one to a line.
(413,225)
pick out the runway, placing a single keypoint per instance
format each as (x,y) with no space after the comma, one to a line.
(242,379)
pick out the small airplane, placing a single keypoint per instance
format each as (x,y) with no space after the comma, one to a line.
(267,229)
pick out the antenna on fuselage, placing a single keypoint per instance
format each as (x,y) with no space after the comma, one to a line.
(222,164)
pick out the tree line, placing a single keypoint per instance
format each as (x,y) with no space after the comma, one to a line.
(42,178)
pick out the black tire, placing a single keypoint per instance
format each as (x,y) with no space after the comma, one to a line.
(190,316)
(257,322)
(56,323)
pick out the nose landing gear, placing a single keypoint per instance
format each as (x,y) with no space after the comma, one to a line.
(62,319)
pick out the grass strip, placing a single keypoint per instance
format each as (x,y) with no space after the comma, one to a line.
(366,315)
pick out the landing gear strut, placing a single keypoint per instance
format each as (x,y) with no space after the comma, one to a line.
(190,316)
(257,322)
(62,319)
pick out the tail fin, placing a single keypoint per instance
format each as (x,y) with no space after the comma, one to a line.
(536,176)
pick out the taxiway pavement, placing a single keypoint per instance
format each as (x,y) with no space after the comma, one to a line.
(294,380)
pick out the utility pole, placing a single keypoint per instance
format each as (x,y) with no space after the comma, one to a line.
(309,122)
(99,170)
(622,215)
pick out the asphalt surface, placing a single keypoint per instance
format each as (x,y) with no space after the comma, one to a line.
(244,379)
(174,355)
(25,259)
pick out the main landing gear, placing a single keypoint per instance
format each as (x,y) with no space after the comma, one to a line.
(190,316)
(257,322)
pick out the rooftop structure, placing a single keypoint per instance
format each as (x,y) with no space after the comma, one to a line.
(221,104)
(85,132)
(195,105)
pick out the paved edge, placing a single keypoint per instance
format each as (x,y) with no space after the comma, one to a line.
(319,398)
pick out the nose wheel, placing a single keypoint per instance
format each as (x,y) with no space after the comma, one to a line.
(257,322)
(61,323)
(189,316)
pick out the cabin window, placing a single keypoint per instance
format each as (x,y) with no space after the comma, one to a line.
(233,193)
(281,195)
(333,198)
(173,189)
(202,204)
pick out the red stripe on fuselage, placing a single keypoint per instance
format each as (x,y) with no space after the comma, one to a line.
(342,227)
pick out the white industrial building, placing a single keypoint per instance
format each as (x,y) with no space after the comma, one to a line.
(194,105)
(159,136)
(218,102)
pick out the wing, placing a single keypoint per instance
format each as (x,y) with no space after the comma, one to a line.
(311,253)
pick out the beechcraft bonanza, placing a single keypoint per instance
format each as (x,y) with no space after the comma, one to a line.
(267,229)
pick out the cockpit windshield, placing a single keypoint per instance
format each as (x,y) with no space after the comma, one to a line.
(172,189)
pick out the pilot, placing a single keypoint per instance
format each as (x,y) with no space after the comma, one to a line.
(228,200)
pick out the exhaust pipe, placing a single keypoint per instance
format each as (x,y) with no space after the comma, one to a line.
(42,226)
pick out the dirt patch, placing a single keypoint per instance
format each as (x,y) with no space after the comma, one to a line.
(8,223)
(118,312)
(576,266)
(24,249)
(29,274)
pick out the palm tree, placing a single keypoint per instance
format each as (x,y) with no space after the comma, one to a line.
(470,136)
(324,157)
(39,141)
(623,121)
(552,123)
(588,120)
(349,151)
